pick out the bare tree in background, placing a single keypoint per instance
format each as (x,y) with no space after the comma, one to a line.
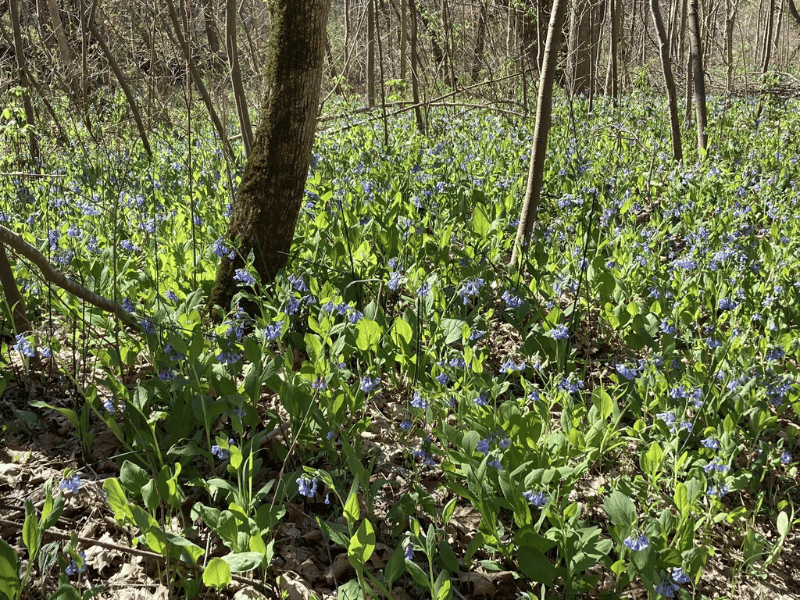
(669,82)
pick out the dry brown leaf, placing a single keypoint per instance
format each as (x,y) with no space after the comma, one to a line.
(339,567)
(294,587)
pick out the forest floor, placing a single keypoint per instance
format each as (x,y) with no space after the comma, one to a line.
(304,566)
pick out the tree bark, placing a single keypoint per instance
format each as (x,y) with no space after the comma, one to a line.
(669,82)
(19,50)
(13,298)
(403,38)
(731,8)
(579,57)
(126,89)
(793,12)
(412,9)
(269,199)
(236,76)
(477,58)
(370,53)
(699,76)
(544,110)
(767,52)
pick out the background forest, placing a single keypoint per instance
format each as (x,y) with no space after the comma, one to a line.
(523,323)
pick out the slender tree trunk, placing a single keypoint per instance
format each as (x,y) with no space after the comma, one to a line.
(669,82)
(767,48)
(123,83)
(370,53)
(19,51)
(614,35)
(412,8)
(236,76)
(270,196)
(187,55)
(731,7)
(210,25)
(477,58)
(450,74)
(12,296)
(403,38)
(579,54)
(698,74)
(64,52)
(793,11)
(682,34)
(544,109)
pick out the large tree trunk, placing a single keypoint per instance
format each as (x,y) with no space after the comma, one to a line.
(370,53)
(669,82)
(699,76)
(269,199)
(544,110)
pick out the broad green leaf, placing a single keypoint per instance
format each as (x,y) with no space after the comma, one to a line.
(449,558)
(351,509)
(396,566)
(362,544)
(10,584)
(681,498)
(133,478)
(620,508)
(535,565)
(401,332)
(217,574)
(652,460)
(243,561)
(332,531)
(117,500)
(368,334)
(480,222)
(419,576)
(30,533)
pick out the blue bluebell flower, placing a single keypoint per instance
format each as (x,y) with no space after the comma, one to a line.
(221,453)
(711,443)
(481,400)
(273,332)
(535,498)
(511,300)
(470,289)
(640,542)
(23,346)
(560,332)
(72,484)
(786,458)
(108,404)
(307,488)
(170,295)
(419,402)
(72,568)
(717,491)
(667,588)
(369,384)
(680,576)
(424,290)
(408,551)
(243,276)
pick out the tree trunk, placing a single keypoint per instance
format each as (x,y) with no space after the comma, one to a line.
(236,76)
(544,109)
(12,296)
(767,52)
(793,11)
(210,25)
(123,83)
(669,82)
(412,9)
(19,51)
(370,53)
(477,58)
(731,7)
(698,74)
(403,38)
(64,52)
(269,199)
(187,55)
(614,34)
(579,57)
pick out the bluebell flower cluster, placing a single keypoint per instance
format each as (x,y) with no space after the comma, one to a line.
(559,332)
(535,498)
(243,276)
(638,543)
(511,300)
(72,568)
(307,488)
(470,289)
(369,384)
(222,453)
(23,346)
(73,484)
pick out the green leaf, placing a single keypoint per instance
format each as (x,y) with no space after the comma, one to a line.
(117,500)
(362,544)
(783,523)
(243,561)
(10,584)
(133,477)
(453,330)
(217,574)
(449,558)
(535,565)
(71,415)
(419,576)
(652,459)
(480,222)
(351,509)
(449,509)
(368,334)
(336,532)
(445,587)
(621,509)
(401,332)
(681,498)
(30,533)
(396,566)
